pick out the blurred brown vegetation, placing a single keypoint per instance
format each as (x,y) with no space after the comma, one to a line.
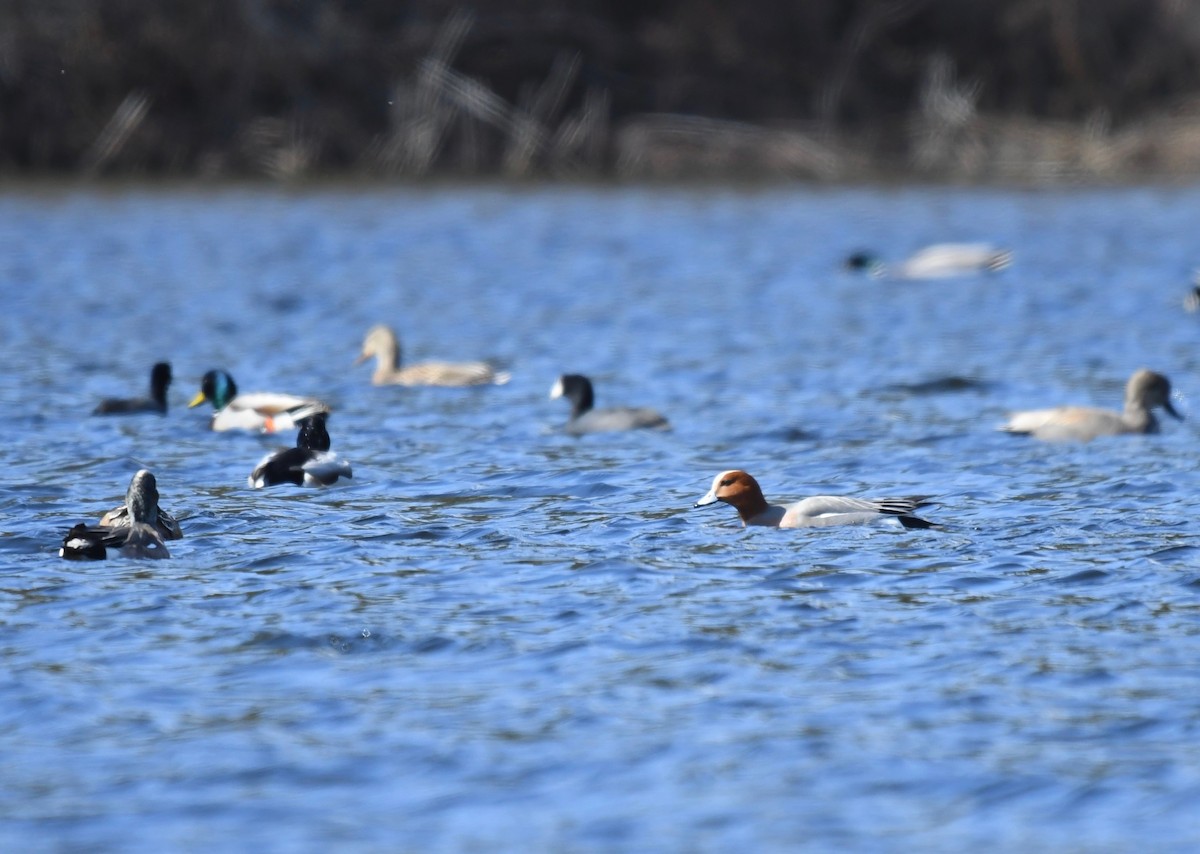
(830,89)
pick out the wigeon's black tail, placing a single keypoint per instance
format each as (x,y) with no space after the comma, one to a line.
(902,509)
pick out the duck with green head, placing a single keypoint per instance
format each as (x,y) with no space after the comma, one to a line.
(259,412)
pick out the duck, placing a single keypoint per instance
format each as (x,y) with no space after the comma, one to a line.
(1191,301)
(584,419)
(742,492)
(143,493)
(160,380)
(260,412)
(84,542)
(310,463)
(137,536)
(1145,391)
(382,343)
(939,261)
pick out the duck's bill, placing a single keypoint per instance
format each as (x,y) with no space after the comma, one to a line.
(1172,411)
(557,390)
(708,499)
(197,400)
(362,357)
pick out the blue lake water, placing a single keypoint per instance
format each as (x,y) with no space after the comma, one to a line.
(500,637)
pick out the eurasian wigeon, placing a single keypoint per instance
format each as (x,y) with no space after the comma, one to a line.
(1144,391)
(260,411)
(381,342)
(584,419)
(310,463)
(939,261)
(742,492)
(160,379)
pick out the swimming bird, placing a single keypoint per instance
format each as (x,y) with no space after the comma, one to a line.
(1144,391)
(1191,302)
(261,412)
(381,342)
(584,419)
(939,261)
(143,495)
(137,536)
(310,463)
(742,492)
(160,379)
(84,542)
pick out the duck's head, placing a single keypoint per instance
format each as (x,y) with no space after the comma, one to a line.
(864,262)
(160,377)
(313,436)
(216,386)
(1150,389)
(576,388)
(380,342)
(141,499)
(733,487)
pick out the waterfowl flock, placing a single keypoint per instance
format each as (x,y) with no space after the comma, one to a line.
(140,527)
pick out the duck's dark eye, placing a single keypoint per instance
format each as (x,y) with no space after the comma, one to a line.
(727,481)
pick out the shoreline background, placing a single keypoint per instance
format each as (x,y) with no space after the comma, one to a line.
(1013,91)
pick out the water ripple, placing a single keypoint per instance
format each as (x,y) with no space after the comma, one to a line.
(500,636)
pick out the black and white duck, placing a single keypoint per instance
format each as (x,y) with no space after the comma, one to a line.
(310,463)
(585,419)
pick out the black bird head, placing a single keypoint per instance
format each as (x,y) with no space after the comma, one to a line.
(313,435)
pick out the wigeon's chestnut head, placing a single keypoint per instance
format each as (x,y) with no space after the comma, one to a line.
(739,490)
(742,492)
